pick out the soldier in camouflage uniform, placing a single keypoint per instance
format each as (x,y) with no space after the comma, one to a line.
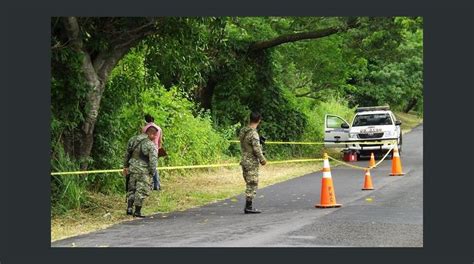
(140,162)
(252,156)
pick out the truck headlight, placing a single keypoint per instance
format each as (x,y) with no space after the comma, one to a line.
(390,133)
(352,135)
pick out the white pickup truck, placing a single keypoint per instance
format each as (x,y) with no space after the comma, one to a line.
(376,126)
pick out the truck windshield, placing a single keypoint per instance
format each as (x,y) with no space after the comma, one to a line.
(372,120)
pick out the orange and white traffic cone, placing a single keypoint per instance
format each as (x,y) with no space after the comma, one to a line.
(328,195)
(367,181)
(372,160)
(396,163)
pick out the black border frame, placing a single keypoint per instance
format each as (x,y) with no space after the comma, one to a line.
(448,90)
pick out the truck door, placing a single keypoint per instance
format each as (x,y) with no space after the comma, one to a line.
(336,130)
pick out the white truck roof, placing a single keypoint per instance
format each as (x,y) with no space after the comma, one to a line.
(373,108)
(373,112)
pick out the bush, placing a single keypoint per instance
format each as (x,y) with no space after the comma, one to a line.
(188,139)
(314,129)
(315,115)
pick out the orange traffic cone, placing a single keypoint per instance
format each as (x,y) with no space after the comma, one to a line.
(367,181)
(372,160)
(396,163)
(328,196)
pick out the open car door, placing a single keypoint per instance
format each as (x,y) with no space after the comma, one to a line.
(336,130)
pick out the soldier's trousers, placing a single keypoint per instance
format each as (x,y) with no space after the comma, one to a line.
(138,188)
(251,180)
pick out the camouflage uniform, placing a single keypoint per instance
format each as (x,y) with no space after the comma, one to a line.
(141,161)
(251,157)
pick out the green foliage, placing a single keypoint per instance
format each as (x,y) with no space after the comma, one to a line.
(189,136)
(68,92)
(397,82)
(249,86)
(189,49)
(339,107)
(188,139)
(314,130)
(315,69)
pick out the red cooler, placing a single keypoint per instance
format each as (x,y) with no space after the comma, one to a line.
(350,156)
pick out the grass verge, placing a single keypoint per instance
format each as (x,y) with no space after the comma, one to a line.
(409,120)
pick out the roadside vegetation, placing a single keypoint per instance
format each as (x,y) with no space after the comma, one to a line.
(409,120)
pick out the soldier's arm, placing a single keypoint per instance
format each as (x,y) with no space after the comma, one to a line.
(128,153)
(257,148)
(152,157)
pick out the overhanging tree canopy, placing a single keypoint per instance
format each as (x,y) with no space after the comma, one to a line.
(250,62)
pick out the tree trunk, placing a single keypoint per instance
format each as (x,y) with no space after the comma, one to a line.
(96,73)
(411,104)
(206,93)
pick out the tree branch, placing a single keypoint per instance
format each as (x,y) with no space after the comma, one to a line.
(309,95)
(106,60)
(304,94)
(60,45)
(143,27)
(301,85)
(130,36)
(261,45)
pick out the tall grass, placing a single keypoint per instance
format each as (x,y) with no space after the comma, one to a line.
(67,192)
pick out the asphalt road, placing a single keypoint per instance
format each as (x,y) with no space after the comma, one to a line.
(389,216)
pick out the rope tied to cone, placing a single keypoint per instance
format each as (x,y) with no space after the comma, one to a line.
(359,167)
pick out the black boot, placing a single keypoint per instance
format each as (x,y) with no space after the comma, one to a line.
(138,212)
(130,207)
(248,208)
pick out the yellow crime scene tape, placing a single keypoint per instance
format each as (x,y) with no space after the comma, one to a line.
(236,164)
(319,143)
(181,167)
(293,161)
